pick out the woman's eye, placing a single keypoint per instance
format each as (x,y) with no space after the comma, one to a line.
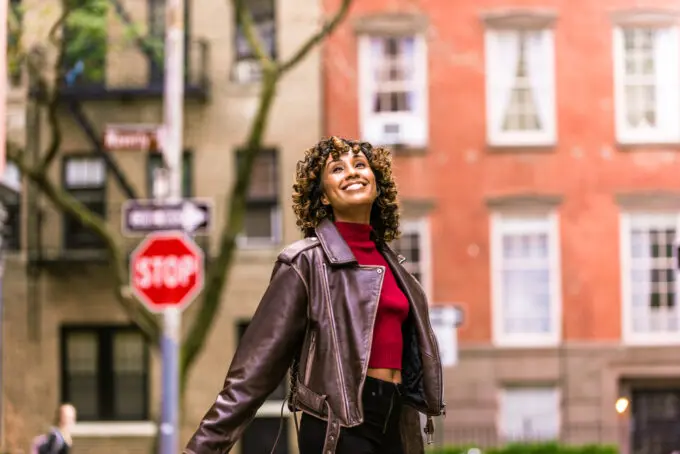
(360,164)
(336,169)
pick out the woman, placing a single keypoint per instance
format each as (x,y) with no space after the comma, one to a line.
(58,440)
(342,312)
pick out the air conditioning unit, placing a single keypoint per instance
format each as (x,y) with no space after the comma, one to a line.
(392,134)
(246,71)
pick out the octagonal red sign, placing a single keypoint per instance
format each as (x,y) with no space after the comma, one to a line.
(167,271)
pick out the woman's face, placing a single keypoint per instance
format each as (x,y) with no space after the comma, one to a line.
(349,187)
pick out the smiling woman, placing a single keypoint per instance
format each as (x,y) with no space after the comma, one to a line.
(344,315)
(326,187)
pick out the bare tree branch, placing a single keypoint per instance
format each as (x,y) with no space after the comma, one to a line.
(315,39)
(245,19)
(66,11)
(71,206)
(218,272)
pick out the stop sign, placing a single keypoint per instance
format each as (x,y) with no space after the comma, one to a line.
(166,271)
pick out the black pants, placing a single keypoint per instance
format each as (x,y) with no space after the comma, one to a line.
(378,434)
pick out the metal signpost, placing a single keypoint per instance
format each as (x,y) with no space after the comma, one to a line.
(146,216)
(173,106)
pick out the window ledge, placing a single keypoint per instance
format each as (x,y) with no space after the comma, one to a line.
(645,17)
(523,19)
(524,201)
(115,429)
(546,148)
(668,340)
(537,344)
(643,145)
(391,24)
(406,150)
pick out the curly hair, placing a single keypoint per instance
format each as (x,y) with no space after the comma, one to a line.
(307,189)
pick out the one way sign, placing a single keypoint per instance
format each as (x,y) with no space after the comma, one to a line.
(144,216)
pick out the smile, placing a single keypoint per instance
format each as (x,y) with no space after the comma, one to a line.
(353,187)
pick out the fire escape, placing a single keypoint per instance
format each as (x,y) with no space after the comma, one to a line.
(131,72)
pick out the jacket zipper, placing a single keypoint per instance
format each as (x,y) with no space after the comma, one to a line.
(343,390)
(364,372)
(310,358)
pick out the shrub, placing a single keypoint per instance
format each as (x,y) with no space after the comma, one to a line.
(530,448)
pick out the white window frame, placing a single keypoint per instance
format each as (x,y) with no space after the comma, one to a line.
(502,223)
(90,172)
(250,242)
(668,98)
(421,227)
(629,336)
(495,110)
(502,396)
(370,122)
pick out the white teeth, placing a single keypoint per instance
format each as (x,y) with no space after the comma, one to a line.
(353,186)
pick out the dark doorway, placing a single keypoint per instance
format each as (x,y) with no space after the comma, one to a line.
(656,421)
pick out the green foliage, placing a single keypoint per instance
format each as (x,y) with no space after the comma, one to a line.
(530,448)
(85,36)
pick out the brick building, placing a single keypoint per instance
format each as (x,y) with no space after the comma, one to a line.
(536,144)
(66,337)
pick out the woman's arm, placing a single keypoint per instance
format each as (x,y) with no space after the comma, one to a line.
(261,361)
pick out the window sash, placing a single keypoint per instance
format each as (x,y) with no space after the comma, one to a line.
(108,394)
(416,237)
(529,414)
(78,236)
(504,85)
(155,161)
(650,286)
(656,113)
(264,18)
(84,172)
(264,180)
(253,218)
(407,125)
(525,279)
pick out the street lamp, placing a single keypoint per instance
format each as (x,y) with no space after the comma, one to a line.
(621,405)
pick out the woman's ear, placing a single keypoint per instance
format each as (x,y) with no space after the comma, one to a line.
(324,200)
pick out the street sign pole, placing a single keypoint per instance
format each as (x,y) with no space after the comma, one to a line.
(173,104)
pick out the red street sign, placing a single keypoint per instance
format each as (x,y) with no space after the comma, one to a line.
(166,271)
(133,137)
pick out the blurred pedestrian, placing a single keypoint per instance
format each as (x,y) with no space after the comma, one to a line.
(58,440)
(344,314)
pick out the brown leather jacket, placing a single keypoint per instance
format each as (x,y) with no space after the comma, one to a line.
(318,314)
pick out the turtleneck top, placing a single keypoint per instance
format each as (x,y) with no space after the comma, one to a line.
(393,306)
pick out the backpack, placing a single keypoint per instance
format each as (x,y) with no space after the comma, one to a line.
(49,443)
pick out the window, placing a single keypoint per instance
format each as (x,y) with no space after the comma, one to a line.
(14,30)
(262,217)
(260,435)
(414,245)
(105,372)
(646,84)
(525,280)
(155,161)
(246,67)
(393,90)
(650,311)
(529,414)
(520,87)
(12,234)
(85,179)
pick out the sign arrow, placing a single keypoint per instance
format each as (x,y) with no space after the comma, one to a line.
(145,216)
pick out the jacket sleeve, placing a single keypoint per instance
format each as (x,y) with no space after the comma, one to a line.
(261,361)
